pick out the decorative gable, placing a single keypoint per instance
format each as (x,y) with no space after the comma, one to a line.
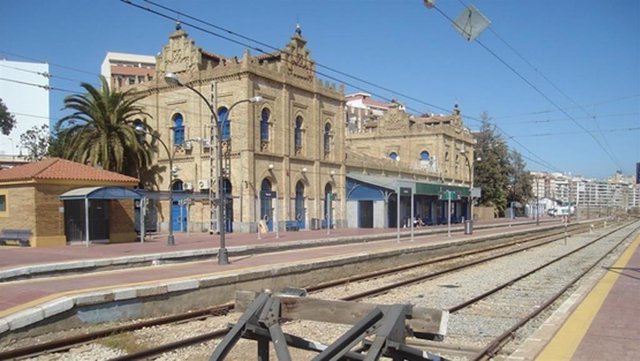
(394,120)
(180,55)
(298,58)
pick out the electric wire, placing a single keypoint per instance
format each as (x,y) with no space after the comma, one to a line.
(547,111)
(535,88)
(249,46)
(273,48)
(129,2)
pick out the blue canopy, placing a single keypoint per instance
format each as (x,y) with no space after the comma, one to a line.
(100,193)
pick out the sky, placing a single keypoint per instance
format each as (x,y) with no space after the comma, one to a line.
(560,79)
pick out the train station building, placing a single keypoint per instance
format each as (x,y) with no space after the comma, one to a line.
(305,154)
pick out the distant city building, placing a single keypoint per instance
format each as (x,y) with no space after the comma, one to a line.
(363,111)
(25,92)
(122,69)
(618,191)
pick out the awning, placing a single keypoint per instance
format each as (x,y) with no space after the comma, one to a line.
(429,189)
(382,182)
(100,193)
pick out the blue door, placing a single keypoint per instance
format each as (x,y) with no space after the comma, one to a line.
(228,211)
(266,204)
(299,206)
(179,217)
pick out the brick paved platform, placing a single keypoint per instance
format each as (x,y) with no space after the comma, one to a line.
(606,324)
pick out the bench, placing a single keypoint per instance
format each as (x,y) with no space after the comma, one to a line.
(291,226)
(20,235)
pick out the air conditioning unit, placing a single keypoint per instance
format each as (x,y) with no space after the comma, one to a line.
(204,184)
(206,143)
(187,186)
(187,146)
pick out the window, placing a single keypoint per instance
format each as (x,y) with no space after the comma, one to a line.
(424,155)
(394,156)
(298,133)
(327,138)
(264,125)
(225,127)
(3,202)
(178,129)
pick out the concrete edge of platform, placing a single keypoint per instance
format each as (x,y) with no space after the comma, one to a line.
(69,266)
(57,304)
(22,316)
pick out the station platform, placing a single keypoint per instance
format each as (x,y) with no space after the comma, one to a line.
(106,272)
(605,324)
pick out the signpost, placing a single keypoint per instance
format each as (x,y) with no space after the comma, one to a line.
(403,191)
(273,195)
(449,196)
(406,191)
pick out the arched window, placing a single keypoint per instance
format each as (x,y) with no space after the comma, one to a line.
(225,127)
(177,185)
(424,155)
(394,156)
(264,125)
(327,138)
(298,133)
(178,129)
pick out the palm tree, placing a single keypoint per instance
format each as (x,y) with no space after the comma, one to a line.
(101,130)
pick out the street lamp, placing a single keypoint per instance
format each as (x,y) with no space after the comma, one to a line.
(464,153)
(141,130)
(172,79)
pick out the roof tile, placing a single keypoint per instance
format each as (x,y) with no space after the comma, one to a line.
(61,169)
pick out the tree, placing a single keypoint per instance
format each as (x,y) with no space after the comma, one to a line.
(58,142)
(492,172)
(36,142)
(520,180)
(101,131)
(7,120)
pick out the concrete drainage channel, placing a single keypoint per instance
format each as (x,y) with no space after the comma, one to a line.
(171,297)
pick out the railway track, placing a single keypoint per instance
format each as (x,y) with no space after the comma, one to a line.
(472,258)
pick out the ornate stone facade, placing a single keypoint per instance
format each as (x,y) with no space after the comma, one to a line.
(291,144)
(429,147)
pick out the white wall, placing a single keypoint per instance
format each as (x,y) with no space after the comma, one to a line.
(29,104)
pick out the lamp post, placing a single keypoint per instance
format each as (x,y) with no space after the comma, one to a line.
(464,153)
(172,79)
(141,130)
(537,201)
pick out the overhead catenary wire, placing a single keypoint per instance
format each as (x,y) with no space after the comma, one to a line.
(170,17)
(260,50)
(534,87)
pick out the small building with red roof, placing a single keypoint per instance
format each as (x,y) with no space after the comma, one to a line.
(54,199)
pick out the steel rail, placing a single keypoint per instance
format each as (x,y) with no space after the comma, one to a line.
(66,343)
(489,351)
(527,274)
(553,237)
(408,281)
(516,240)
